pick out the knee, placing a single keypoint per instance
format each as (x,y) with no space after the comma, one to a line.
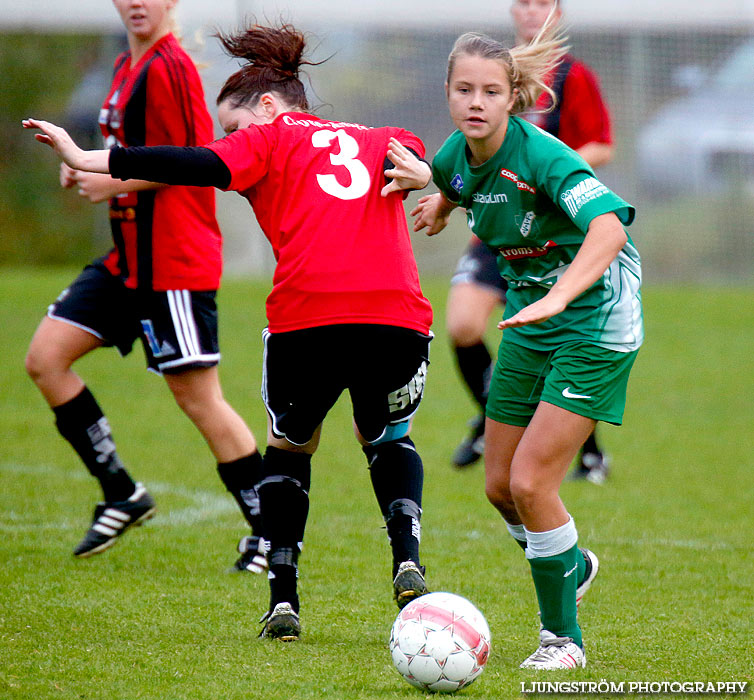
(188,400)
(465,330)
(39,363)
(523,491)
(499,495)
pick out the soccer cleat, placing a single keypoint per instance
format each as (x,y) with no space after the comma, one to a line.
(281,623)
(112,519)
(472,448)
(253,551)
(592,567)
(555,653)
(593,467)
(408,583)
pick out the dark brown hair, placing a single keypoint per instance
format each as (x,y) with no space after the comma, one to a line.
(274,56)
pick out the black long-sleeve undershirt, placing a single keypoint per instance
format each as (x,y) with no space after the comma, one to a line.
(172,165)
(179,165)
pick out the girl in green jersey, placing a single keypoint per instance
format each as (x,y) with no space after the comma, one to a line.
(573,315)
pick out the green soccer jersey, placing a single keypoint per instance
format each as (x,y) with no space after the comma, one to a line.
(532,203)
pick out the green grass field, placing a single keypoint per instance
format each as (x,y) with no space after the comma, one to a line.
(158,617)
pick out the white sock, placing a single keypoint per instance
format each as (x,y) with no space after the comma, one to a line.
(518,532)
(551,542)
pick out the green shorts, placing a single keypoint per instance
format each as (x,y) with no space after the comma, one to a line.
(580,377)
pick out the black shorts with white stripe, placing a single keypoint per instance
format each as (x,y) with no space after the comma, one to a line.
(178,328)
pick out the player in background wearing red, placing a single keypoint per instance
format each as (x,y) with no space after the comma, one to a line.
(581,120)
(158,283)
(346,310)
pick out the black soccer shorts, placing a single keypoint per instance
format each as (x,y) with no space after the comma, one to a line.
(178,328)
(384,369)
(478,265)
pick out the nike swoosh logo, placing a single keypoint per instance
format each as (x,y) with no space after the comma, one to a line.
(570,395)
(570,571)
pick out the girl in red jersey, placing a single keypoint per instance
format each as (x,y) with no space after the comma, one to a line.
(158,283)
(346,310)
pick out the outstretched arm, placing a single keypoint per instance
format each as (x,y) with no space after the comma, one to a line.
(171,165)
(58,139)
(604,240)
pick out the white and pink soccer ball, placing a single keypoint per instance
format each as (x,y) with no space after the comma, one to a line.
(440,642)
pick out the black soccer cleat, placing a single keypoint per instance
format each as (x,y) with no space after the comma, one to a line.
(112,519)
(282,623)
(593,467)
(408,583)
(253,551)
(472,448)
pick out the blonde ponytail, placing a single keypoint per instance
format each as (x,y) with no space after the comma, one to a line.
(526,66)
(531,63)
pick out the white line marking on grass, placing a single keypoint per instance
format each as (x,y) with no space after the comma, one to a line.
(700,545)
(205,505)
(639,541)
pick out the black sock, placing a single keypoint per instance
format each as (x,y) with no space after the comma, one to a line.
(397,475)
(82,423)
(590,444)
(284,577)
(284,500)
(475,364)
(240,478)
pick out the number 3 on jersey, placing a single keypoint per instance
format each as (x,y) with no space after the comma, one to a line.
(349,149)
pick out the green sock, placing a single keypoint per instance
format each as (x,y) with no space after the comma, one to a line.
(556,580)
(581,571)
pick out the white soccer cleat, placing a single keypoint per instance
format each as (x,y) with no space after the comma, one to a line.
(592,567)
(555,653)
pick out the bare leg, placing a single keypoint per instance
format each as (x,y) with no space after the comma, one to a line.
(56,345)
(470,307)
(540,463)
(198,393)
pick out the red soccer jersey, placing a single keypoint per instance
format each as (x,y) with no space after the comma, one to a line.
(343,251)
(583,114)
(166,238)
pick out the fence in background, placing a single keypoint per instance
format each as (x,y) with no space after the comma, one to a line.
(682,104)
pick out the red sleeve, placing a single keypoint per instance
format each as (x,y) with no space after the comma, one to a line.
(409,140)
(177,113)
(584,117)
(246,153)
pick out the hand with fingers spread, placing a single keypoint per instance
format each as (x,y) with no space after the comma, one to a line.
(538,312)
(59,140)
(432,212)
(409,173)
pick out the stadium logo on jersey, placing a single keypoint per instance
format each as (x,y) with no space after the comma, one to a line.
(521,252)
(457,183)
(526,225)
(513,177)
(587,190)
(490,198)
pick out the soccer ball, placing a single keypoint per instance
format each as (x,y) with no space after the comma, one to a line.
(440,642)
